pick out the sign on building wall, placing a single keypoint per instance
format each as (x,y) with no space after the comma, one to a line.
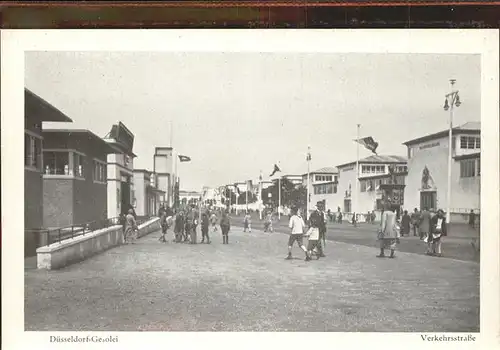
(123,136)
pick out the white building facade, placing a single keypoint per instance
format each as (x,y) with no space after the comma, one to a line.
(372,172)
(165,162)
(428,171)
(120,167)
(323,186)
(147,196)
(120,179)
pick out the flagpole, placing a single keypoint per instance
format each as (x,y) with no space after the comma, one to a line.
(279,197)
(308,182)
(357,173)
(173,178)
(260,195)
(246,195)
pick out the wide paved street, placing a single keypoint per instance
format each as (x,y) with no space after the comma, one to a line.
(457,245)
(248,286)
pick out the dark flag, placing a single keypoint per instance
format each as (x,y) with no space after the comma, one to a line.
(276,169)
(184,158)
(237,189)
(369,143)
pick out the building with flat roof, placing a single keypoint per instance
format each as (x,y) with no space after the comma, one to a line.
(322,184)
(427,181)
(120,173)
(148,196)
(74,177)
(337,186)
(165,168)
(36,111)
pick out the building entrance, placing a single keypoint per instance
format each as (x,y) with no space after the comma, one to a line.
(125,204)
(347,205)
(428,200)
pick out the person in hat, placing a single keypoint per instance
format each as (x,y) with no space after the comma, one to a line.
(316,223)
(179,226)
(405,224)
(225,226)
(205,223)
(164,226)
(297,225)
(388,233)
(438,229)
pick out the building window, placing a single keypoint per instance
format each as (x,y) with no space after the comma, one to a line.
(335,178)
(32,151)
(373,169)
(363,186)
(467,168)
(99,171)
(479,167)
(56,163)
(325,189)
(470,142)
(78,160)
(402,169)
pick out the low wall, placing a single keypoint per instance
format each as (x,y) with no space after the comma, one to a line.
(72,250)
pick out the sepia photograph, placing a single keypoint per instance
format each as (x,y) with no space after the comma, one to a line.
(254,191)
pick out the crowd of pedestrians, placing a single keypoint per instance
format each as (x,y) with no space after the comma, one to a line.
(428,225)
(185,223)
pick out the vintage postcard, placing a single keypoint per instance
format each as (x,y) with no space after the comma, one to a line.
(344,183)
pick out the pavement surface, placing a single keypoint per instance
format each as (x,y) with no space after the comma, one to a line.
(248,286)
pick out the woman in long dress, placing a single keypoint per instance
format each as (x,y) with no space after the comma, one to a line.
(389,232)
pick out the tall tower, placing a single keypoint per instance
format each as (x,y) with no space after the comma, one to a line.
(164,167)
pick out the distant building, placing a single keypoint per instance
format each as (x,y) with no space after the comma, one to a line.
(426,185)
(164,167)
(266,184)
(295,179)
(36,111)
(74,178)
(148,197)
(120,176)
(186,196)
(323,184)
(371,173)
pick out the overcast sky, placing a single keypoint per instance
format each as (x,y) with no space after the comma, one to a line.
(235,114)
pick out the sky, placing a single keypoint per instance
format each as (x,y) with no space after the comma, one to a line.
(236,114)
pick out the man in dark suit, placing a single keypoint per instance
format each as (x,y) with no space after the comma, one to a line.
(317,221)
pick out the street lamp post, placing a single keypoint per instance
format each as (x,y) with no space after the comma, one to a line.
(452,99)
(308,200)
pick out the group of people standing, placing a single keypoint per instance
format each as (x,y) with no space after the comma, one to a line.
(431,229)
(185,224)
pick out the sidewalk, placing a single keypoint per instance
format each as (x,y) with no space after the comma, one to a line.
(248,286)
